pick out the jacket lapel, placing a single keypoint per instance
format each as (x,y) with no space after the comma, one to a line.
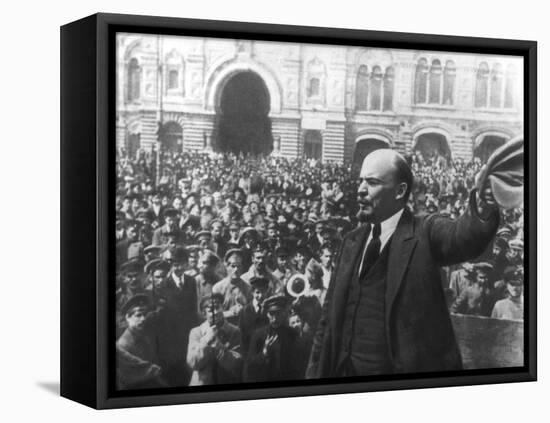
(401,249)
(351,253)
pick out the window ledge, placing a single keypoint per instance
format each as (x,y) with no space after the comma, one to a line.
(496,109)
(133,103)
(375,113)
(435,106)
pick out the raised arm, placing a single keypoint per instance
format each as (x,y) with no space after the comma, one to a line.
(463,239)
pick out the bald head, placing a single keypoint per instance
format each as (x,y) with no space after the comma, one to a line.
(389,162)
(385,184)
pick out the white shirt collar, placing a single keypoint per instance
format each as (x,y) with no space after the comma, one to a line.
(387,228)
(256,305)
(326,277)
(178,281)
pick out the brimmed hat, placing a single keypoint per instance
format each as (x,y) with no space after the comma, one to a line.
(259,282)
(273,225)
(275,302)
(143,214)
(179,255)
(231,252)
(131,266)
(191,221)
(157,264)
(170,212)
(484,266)
(501,243)
(504,232)
(203,234)
(136,301)
(516,244)
(152,249)
(303,249)
(215,297)
(282,251)
(513,275)
(248,231)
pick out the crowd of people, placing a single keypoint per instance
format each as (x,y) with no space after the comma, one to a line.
(223,261)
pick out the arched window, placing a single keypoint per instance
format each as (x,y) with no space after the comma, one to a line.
(173,79)
(482,85)
(316,82)
(375,88)
(421,81)
(174,73)
(449,76)
(134,76)
(313,89)
(496,86)
(510,87)
(388,89)
(435,82)
(362,88)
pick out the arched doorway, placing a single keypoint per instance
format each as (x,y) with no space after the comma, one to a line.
(172,137)
(433,146)
(243,125)
(488,144)
(313,145)
(364,147)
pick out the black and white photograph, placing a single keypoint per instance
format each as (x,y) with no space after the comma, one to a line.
(296,211)
(242,211)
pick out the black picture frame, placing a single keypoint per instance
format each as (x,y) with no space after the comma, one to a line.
(87,180)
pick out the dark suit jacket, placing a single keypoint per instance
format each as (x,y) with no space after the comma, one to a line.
(418,326)
(177,316)
(280,364)
(249,321)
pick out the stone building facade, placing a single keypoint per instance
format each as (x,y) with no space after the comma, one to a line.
(334,103)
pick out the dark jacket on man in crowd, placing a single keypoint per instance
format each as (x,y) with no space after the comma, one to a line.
(280,363)
(176,318)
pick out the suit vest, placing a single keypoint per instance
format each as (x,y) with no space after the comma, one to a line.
(364,347)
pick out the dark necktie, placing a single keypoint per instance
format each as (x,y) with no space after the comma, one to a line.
(372,251)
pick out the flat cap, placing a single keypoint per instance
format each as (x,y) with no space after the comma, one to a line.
(275,302)
(157,264)
(232,252)
(136,301)
(131,266)
(259,282)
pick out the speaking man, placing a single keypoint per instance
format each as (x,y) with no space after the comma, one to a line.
(385,311)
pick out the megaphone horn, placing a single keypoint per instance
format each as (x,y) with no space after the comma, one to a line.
(297,285)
